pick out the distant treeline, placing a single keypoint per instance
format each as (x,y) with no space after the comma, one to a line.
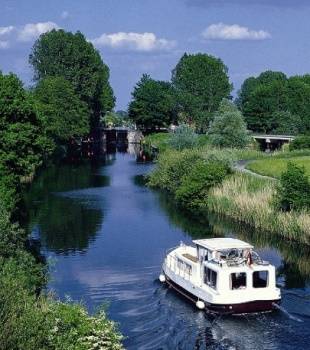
(270,103)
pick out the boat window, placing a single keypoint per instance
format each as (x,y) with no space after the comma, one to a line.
(260,279)
(238,280)
(184,267)
(210,277)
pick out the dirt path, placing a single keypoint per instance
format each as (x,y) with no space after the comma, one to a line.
(240,165)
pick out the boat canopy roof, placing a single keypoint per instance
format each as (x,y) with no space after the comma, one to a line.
(222,243)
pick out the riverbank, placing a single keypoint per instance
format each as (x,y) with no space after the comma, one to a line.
(242,197)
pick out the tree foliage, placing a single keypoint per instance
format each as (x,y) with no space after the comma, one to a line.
(116,119)
(201,82)
(273,103)
(71,56)
(228,128)
(62,113)
(23,142)
(293,192)
(300,142)
(285,123)
(152,104)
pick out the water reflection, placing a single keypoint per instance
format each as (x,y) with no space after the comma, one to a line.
(65,218)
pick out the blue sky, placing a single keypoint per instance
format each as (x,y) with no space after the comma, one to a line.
(144,36)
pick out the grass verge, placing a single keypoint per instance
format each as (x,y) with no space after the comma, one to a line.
(274,167)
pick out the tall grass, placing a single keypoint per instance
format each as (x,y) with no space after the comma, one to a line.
(249,199)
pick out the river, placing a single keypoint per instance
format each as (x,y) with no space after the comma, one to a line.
(105,235)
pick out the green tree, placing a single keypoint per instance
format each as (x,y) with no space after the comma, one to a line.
(62,113)
(228,128)
(23,142)
(293,192)
(273,103)
(285,122)
(71,56)
(259,98)
(299,100)
(152,104)
(112,119)
(201,82)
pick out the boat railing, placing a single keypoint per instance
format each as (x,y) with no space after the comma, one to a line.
(173,264)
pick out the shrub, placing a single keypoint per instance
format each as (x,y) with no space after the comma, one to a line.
(228,129)
(23,325)
(28,322)
(172,165)
(193,190)
(300,142)
(158,140)
(293,192)
(183,137)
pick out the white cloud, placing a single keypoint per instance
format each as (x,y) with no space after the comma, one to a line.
(4,44)
(64,14)
(32,30)
(6,30)
(221,31)
(134,41)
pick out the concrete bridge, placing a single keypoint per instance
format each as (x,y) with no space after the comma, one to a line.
(272,142)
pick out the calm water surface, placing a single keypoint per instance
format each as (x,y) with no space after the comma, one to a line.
(107,234)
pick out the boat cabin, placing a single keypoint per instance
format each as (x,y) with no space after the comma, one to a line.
(232,263)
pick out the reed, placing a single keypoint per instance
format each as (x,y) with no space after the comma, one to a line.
(248,199)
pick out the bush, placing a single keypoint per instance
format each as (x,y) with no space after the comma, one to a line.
(300,142)
(293,192)
(172,165)
(194,187)
(23,325)
(158,140)
(28,322)
(183,137)
(228,129)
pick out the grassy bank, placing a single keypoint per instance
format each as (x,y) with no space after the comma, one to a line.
(242,197)
(248,199)
(275,167)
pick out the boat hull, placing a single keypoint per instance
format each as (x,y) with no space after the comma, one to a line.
(229,309)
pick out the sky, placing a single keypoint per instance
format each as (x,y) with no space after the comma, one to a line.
(149,36)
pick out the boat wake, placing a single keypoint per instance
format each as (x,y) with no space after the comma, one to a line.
(281,308)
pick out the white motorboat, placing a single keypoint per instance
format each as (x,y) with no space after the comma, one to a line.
(222,275)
